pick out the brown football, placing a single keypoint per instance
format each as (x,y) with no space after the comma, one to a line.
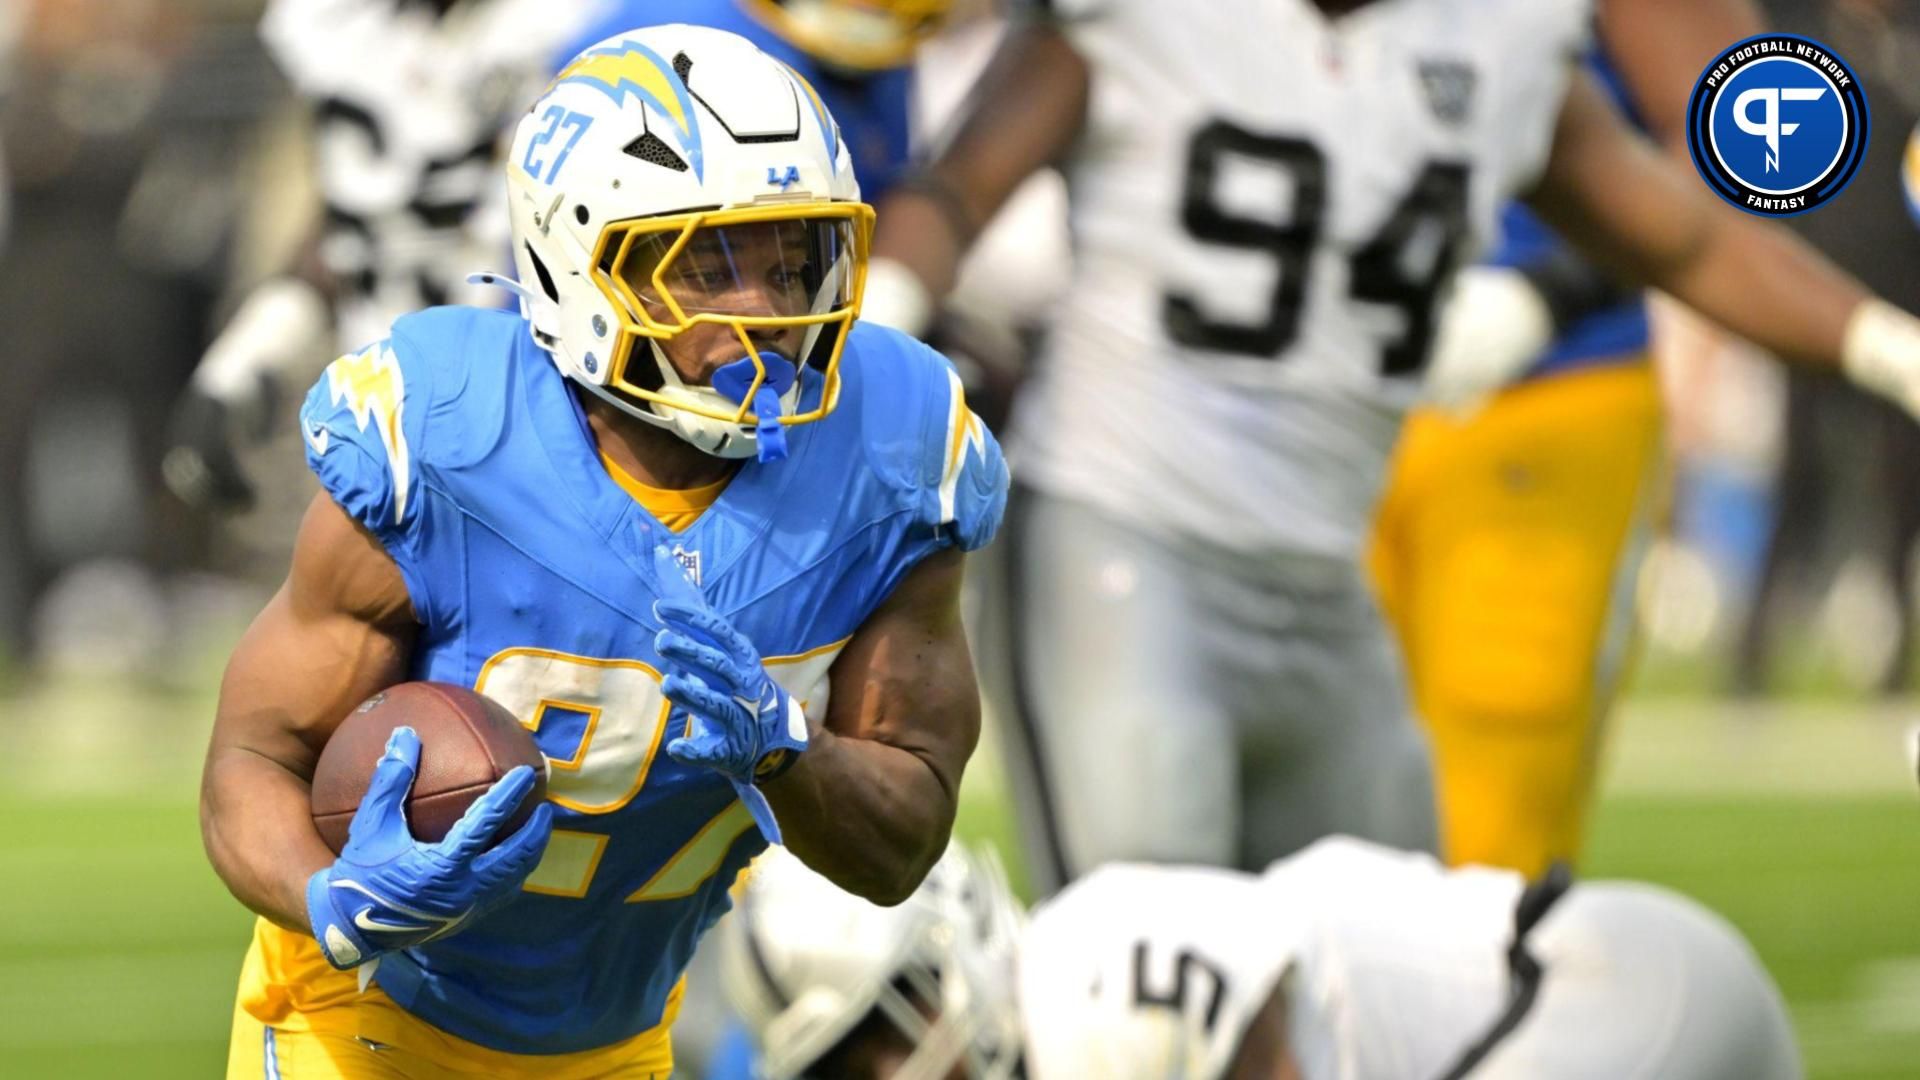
(467,741)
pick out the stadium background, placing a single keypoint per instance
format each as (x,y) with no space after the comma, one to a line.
(153,154)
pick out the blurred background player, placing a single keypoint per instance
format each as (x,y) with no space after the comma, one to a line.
(127,127)
(1151,605)
(1346,960)
(409,103)
(699,531)
(1510,535)
(1252,311)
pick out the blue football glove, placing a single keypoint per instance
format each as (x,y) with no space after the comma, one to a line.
(390,891)
(742,724)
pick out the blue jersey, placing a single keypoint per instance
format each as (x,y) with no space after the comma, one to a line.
(459,444)
(872,109)
(1617,332)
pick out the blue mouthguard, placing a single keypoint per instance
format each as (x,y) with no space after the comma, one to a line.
(732,381)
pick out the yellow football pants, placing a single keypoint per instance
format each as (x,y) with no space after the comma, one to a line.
(1504,551)
(297,1018)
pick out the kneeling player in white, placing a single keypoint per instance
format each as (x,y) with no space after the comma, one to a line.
(1347,960)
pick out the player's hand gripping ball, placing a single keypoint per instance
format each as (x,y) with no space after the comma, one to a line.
(742,724)
(475,799)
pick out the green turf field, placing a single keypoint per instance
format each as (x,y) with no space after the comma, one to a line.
(118,947)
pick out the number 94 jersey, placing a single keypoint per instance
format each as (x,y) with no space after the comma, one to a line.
(1266,205)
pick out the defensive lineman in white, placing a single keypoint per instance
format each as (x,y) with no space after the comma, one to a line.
(1347,961)
(1268,199)
(1259,253)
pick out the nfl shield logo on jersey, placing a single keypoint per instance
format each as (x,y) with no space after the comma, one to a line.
(1449,86)
(689,562)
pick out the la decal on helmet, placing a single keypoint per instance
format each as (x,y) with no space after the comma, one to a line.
(689,236)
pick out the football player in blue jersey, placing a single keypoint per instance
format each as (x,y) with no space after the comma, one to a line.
(697,528)
(859,55)
(398,238)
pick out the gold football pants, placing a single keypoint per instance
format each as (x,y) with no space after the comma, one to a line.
(296,1018)
(1505,550)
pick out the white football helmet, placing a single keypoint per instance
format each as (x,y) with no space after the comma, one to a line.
(675,179)
(806,963)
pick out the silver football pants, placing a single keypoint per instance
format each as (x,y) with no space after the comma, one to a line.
(1170,701)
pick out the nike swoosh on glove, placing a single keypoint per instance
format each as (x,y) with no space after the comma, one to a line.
(389,891)
(742,724)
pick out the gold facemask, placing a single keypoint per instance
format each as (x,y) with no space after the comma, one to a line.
(797,269)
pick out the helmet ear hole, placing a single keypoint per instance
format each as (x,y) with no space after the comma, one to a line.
(540,270)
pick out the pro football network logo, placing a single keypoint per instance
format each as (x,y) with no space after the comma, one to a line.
(1777,124)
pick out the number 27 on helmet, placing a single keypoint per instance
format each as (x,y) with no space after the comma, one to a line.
(689,236)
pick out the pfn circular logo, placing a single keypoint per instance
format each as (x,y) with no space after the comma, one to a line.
(1777,124)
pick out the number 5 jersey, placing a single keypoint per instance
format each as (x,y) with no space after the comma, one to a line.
(1266,205)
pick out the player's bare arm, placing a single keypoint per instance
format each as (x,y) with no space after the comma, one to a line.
(339,630)
(872,801)
(1502,317)
(1025,112)
(1615,196)
(1659,49)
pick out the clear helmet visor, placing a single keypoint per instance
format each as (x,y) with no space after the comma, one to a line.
(721,314)
(788,269)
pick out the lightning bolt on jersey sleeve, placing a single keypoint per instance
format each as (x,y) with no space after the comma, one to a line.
(927,439)
(365,424)
(964,478)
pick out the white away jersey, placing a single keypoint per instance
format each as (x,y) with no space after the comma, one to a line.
(1266,204)
(1393,964)
(1139,971)
(409,109)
